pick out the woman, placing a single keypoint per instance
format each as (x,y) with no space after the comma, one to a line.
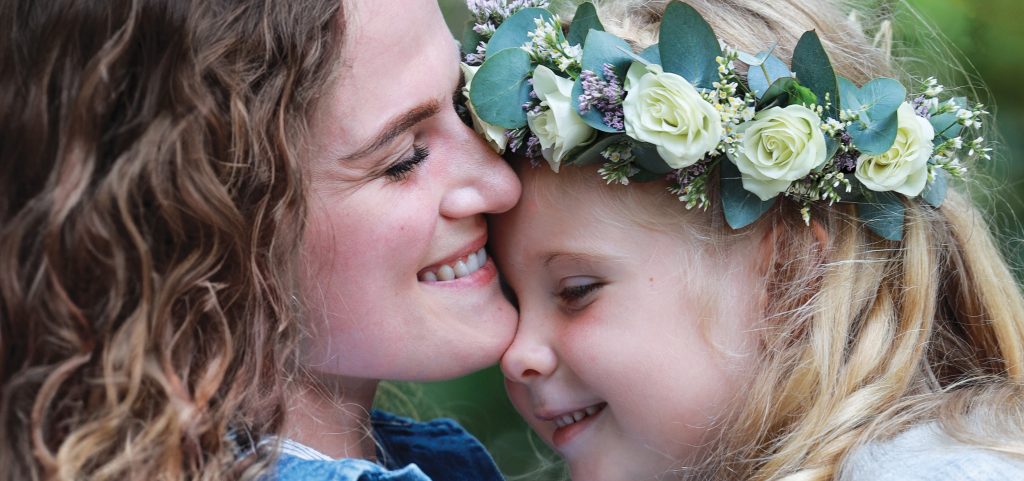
(199,197)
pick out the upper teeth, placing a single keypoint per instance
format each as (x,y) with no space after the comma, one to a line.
(576,416)
(462,267)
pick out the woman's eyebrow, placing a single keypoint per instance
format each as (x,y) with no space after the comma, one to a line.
(408,120)
(397,127)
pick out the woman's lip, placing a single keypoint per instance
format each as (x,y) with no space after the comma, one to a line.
(480,277)
(470,248)
(564,435)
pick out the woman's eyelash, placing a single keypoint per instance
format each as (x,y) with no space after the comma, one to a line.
(401,170)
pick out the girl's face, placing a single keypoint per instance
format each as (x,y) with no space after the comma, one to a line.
(631,342)
(399,186)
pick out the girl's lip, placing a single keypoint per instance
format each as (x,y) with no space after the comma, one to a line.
(565,434)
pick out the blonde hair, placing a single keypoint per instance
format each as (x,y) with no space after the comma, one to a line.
(862,337)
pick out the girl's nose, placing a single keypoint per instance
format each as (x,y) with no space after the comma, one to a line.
(528,359)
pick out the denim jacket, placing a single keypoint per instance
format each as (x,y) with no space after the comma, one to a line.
(438,450)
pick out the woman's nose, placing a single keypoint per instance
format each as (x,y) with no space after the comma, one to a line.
(529,358)
(485,182)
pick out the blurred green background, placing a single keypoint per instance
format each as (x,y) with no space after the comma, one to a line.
(984,36)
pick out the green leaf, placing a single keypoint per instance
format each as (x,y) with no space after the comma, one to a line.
(857,190)
(935,192)
(831,147)
(470,39)
(800,95)
(814,71)
(688,46)
(591,154)
(945,126)
(883,214)
(583,22)
(601,48)
(777,93)
(877,101)
(646,157)
(761,75)
(652,54)
(512,33)
(500,88)
(741,207)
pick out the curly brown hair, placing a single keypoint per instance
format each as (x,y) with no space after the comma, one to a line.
(151,211)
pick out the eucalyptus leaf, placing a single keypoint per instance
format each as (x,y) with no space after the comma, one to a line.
(601,48)
(500,88)
(856,193)
(935,192)
(591,154)
(646,176)
(777,93)
(831,147)
(646,157)
(749,59)
(767,70)
(512,33)
(688,46)
(741,207)
(946,127)
(814,71)
(583,22)
(883,213)
(848,94)
(470,39)
(652,54)
(877,101)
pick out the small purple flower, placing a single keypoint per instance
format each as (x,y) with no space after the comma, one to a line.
(604,95)
(921,108)
(686,175)
(846,162)
(532,147)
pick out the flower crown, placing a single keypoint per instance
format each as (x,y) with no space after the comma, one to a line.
(679,110)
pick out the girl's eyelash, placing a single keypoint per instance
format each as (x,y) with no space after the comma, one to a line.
(573,294)
(401,169)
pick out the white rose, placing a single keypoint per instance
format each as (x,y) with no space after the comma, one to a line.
(778,146)
(494,135)
(558,127)
(665,110)
(904,167)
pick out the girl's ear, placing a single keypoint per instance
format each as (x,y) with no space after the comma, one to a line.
(771,238)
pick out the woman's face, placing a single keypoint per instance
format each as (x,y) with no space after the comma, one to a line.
(632,342)
(399,185)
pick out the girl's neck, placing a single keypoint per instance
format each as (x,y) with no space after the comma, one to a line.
(332,415)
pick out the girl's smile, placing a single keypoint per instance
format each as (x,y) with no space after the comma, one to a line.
(632,341)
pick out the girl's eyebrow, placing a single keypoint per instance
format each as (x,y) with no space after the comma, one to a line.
(579,257)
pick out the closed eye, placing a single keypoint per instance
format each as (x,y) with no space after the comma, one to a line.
(577,292)
(403,168)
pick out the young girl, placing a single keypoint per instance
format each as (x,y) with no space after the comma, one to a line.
(222,223)
(791,328)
